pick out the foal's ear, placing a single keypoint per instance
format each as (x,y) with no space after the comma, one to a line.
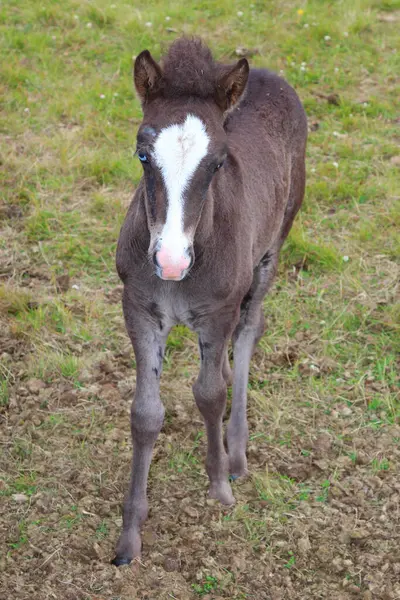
(147,76)
(231,84)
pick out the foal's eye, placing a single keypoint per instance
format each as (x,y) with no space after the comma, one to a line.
(219,165)
(142,157)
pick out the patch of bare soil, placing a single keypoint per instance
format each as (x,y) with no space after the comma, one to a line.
(59,522)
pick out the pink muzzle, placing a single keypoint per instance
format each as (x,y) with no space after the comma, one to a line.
(172,268)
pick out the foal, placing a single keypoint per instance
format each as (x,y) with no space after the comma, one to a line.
(222,149)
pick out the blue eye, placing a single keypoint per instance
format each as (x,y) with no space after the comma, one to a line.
(142,157)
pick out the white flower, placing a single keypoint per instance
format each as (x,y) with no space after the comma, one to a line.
(313,170)
(89,25)
(365,104)
(76,17)
(149,24)
(306,26)
(113,6)
(302,68)
(345,259)
(346,34)
(26,110)
(303,64)
(102,96)
(336,134)
(336,70)
(116,94)
(327,38)
(336,165)
(240,13)
(167,18)
(281,72)
(75,287)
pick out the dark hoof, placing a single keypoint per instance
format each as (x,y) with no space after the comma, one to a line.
(119,561)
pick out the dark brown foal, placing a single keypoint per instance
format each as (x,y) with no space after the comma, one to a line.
(222,149)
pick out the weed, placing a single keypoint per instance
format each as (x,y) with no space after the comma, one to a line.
(209,584)
(380,464)
(4,391)
(102,530)
(323,496)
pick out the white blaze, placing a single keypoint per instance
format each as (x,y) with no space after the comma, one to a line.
(178,152)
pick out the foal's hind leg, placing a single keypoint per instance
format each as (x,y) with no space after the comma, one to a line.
(210,395)
(245,338)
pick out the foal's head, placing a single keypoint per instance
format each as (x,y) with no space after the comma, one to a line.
(181,144)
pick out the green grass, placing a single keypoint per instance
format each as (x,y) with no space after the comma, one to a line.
(328,362)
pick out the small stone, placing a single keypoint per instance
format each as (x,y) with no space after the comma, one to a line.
(395,160)
(149,538)
(304,545)
(346,411)
(35,385)
(20,498)
(322,444)
(211,502)
(359,536)
(191,512)
(171,564)
(337,564)
(97,550)
(85,376)
(62,283)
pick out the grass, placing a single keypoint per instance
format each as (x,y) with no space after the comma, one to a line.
(327,366)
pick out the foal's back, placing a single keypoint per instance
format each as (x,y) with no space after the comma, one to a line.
(270,107)
(267,134)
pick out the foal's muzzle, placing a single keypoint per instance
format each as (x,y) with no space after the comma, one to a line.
(170,267)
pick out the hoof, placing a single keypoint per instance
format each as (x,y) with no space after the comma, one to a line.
(119,561)
(238,467)
(222,492)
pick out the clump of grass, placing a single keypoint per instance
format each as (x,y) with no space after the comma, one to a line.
(4,391)
(278,490)
(300,250)
(14,301)
(49,365)
(41,225)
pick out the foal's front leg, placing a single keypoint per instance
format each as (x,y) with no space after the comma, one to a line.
(147,415)
(210,395)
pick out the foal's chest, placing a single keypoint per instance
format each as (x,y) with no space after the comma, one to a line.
(175,309)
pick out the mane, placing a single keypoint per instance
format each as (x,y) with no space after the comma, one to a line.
(189,69)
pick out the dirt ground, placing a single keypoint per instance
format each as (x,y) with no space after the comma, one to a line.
(321,524)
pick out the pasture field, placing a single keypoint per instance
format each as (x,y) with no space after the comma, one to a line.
(319,518)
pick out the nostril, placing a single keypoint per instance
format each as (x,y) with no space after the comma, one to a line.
(190,254)
(155,260)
